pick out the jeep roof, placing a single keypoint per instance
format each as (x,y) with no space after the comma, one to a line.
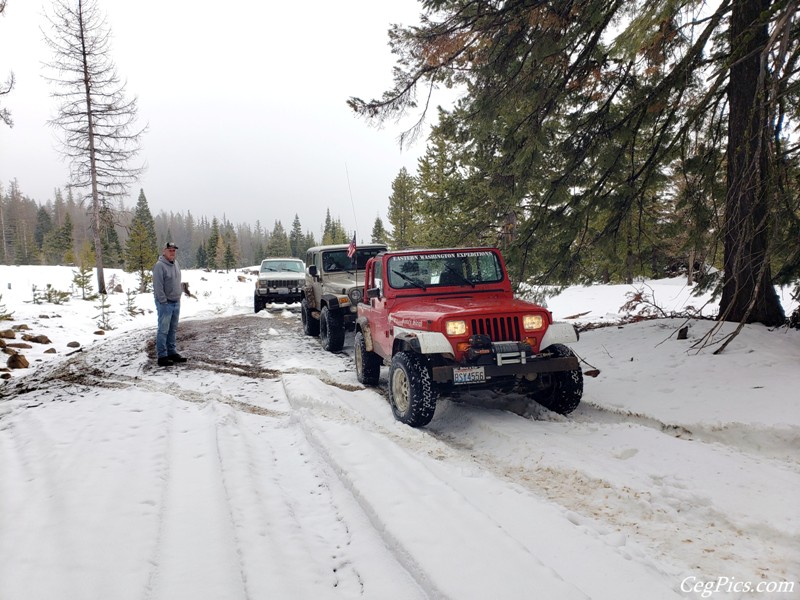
(363,252)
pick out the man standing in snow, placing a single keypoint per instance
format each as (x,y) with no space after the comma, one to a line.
(167,291)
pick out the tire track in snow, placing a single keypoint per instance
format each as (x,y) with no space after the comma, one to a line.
(642,519)
(422,498)
(662,514)
(676,518)
(259,496)
(747,438)
(274,495)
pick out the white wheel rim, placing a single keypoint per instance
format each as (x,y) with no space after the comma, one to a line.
(400,390)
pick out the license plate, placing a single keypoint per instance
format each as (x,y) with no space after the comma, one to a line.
(283,291)
(462,375)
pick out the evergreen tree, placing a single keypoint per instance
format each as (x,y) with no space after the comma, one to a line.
(228,245)
(403,210)
(44,225)
(211,246)
(58,244)
(447,211)
(309,242)
(82,278)
(113,255)
(327,231)
(202,256)
(229,261)
(379,234)
(296,238)
(141,248)
(278,244)
(573,119)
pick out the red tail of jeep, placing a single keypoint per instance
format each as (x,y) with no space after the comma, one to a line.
(446,321)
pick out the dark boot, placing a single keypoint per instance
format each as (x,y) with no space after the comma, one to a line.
(164,361)
(176,358)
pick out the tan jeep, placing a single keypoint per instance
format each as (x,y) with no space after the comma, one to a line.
(333,288)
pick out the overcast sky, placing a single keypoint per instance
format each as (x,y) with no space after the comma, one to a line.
(245,104)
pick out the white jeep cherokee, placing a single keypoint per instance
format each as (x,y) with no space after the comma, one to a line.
(279,280)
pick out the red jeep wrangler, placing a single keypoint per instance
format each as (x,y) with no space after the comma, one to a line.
(446,321)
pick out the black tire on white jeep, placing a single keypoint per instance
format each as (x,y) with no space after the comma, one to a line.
(310,324)
(331,329)
(411,391)
(368,364)
(565,393)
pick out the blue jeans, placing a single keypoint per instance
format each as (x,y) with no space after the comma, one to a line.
(168,314)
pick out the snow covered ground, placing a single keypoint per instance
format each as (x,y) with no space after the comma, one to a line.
(262,469)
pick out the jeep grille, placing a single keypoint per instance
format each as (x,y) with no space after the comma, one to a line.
(498,329)
(280,283)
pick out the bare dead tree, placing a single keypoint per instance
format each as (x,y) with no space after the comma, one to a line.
(7,86)
(98,122)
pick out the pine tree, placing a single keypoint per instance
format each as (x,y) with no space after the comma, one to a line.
(278,244)
(296,238)
(141,248)
(574,118)
(229,261)
(82,278)
(309,242)
(379,234)
(403,210)
(202,256)
(58,244)
(211,246)
(327,231)
(44,225)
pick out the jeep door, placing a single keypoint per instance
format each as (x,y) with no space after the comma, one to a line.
(377,313)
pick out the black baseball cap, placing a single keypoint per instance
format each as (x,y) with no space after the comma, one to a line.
(170,245)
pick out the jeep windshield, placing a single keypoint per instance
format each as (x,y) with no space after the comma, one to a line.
(453,268)
(337,260)
(270,266)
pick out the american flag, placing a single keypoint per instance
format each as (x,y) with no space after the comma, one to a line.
(351,249)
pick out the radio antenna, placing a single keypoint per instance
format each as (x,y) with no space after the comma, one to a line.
(349,189)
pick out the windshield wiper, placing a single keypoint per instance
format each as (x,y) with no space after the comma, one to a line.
(410,280)
(450,269)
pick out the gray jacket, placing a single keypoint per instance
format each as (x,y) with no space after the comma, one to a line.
(166,281)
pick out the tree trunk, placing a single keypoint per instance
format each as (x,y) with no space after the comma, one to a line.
(748,294)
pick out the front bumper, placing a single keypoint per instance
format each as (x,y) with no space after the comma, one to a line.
(279,295)
(502,360)
(445,374)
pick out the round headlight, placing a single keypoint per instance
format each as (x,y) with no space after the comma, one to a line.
(355,295)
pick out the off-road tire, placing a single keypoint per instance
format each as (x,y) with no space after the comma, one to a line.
(331,330)
(564,395)
(258,304)
(411,391)
(368,364)
(310,324)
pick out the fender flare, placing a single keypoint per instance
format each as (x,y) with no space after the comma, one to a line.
(405,342)
(559,333)
(362,325)
(332,302)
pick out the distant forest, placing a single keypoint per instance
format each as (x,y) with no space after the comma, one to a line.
(57,232)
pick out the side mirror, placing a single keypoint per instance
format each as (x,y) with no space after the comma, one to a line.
(374,293)
(312,270)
